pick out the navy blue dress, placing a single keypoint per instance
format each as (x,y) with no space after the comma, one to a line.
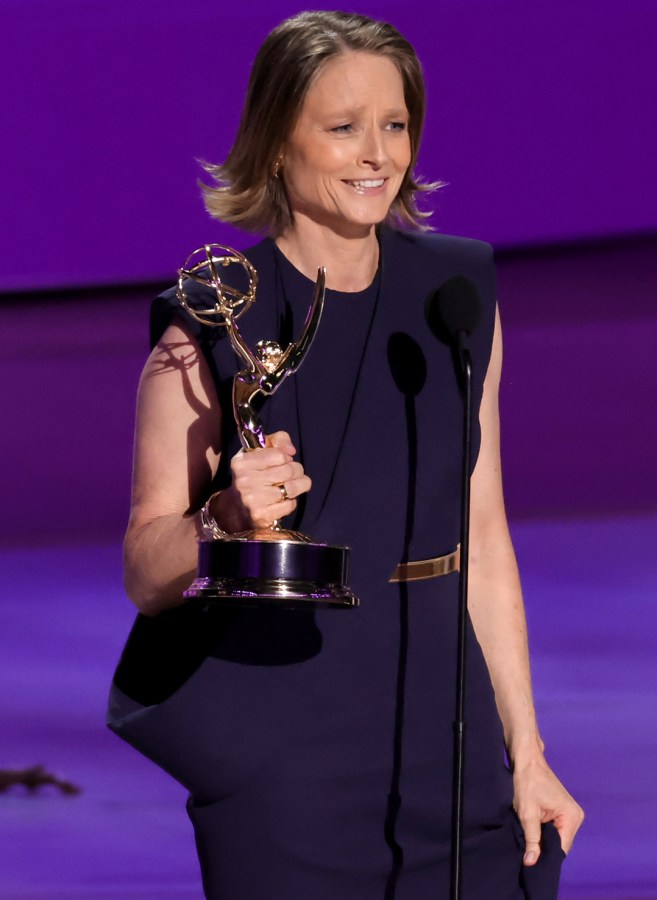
(317,746)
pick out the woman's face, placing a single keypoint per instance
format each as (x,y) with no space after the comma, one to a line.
(345,161)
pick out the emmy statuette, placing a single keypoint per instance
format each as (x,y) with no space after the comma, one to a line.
(262,566)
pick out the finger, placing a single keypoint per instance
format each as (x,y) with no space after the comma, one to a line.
(287,474)
(282,441)
(269,503)
(259,460)
(261,483)
(290,490)
(272,501)
(532,852)
(260,490)
(568,824)
(267,515)
(531,825)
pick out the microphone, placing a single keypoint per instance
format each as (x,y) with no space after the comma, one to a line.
(453,311)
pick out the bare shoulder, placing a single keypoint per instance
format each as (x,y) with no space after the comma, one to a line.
(487,491)
(178,426)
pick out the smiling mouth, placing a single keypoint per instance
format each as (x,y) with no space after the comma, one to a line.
(362,185)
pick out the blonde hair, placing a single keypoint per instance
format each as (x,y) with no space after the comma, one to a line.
(246,191)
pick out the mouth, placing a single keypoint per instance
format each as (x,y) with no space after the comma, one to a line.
(366,185)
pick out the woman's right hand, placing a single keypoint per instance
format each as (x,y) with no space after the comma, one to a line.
(258,476)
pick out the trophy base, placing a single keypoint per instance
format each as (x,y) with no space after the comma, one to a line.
(275,573)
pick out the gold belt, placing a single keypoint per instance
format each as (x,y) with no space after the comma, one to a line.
(427,568)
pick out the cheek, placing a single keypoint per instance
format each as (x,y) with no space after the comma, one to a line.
(308,186)
(317,166)
(299,178)
(404,155)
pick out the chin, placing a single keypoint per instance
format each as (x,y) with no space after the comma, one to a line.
(351,222)
(372,213)
(368,218)
(370,221)
(354,228)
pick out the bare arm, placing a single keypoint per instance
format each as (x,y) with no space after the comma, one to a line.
(176,455)
(497,612)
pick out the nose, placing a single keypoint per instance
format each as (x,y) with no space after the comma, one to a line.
(372,149)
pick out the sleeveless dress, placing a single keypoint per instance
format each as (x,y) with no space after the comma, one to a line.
(317,745)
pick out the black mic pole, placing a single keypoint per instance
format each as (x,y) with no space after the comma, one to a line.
(452,313)
(459,722)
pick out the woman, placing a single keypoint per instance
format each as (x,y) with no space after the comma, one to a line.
(317,747)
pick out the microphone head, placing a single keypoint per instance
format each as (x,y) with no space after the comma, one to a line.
(453,308)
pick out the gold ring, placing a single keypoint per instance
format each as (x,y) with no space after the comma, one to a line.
(283,490)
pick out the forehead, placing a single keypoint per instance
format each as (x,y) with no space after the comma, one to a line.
(355,77)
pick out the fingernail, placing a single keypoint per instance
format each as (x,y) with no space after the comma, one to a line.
(530,858)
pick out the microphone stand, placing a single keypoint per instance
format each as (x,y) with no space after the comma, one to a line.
(465,361)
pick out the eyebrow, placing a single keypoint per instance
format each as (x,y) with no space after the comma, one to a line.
(396,112)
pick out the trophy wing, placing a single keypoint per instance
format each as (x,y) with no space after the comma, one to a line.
(296,351)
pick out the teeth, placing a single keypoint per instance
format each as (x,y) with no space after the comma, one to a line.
(370,183)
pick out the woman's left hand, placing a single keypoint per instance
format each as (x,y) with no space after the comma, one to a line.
(540,797)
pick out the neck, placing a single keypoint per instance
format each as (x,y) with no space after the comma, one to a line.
(351,261)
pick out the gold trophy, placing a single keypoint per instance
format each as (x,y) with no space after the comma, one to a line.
(273,565)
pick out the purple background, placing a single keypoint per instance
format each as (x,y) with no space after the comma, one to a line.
(541,119)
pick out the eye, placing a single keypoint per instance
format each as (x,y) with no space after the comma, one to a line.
(397,126)
(342,129)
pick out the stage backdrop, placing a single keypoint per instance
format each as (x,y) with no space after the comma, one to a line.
(541,120)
